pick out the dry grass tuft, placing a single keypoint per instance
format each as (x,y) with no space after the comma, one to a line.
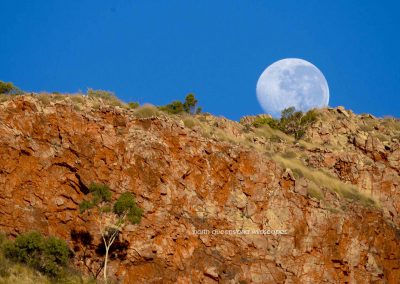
(367,127)
(77,98)
(146,111)
(382,137)
(78,101)
(4,97)
(190,122)
(107,97)
(323,179)
(391,123)
(273,134)
(314,191)
(224,136)
(44,99)
(22,274)
(289,155)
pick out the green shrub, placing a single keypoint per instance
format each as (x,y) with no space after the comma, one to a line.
(291,122)
(56,256)
(261,121)
(309,117)
(58,250)
(133,105)
(85,205)
(3,239)
(188,106)
(47,255)
(4,263)
(26,248)
(9,88)
(4,266)
(175,107)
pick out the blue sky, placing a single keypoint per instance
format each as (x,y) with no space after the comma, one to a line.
(158,51)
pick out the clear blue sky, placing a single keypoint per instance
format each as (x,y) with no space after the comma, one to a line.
(158,51)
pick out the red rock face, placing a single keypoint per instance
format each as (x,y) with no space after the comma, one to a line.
(363,159)
(186,185)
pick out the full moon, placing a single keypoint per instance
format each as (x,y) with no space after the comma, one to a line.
(292,82)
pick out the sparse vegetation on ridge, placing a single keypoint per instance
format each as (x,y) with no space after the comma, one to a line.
(264,134)
(8,88)
(106,96)
(176,107)
(189,106)
(248,154)
(292,122)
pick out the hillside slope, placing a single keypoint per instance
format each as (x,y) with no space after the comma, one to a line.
(205,173)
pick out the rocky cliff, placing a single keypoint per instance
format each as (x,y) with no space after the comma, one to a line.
(223,201)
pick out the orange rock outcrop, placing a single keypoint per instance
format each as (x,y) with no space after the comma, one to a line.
(194,192)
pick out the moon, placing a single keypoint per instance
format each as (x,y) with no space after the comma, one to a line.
(292,82)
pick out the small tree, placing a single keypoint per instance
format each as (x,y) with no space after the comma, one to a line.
(8,88)
(292,122)
(111,217)
(296,122)
(190,104)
